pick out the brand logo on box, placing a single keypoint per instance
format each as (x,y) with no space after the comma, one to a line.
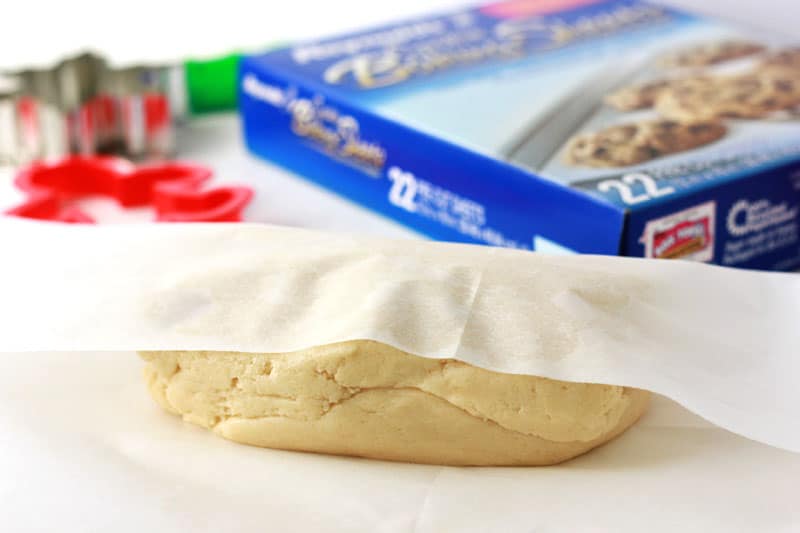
(688,234)
(390,57)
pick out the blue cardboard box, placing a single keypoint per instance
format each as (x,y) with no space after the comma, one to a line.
(569,126)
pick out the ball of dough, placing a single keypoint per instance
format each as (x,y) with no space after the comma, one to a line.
(367,399)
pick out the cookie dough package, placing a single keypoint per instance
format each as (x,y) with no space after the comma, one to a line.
(722,342)
(614,127)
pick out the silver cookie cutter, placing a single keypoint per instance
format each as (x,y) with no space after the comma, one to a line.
(83,106)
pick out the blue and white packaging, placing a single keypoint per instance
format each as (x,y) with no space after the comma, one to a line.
(566,126)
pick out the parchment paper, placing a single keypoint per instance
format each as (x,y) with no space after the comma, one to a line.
(722,342)
(84,448)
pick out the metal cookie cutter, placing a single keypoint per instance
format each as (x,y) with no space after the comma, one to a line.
(173,189)
(83,106)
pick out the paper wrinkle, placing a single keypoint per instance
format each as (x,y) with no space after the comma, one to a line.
(429,492)
(479,283)
(722,342)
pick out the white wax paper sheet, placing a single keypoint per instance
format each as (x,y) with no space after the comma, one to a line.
(722,342)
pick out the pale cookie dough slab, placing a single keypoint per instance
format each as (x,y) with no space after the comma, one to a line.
(367,399)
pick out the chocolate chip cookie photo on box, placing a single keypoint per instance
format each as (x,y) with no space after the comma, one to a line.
(786,59)
(754,95)
(711,53)
(644,95)
(635,97)
(633,143)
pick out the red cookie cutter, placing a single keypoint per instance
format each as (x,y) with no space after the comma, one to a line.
(173,189)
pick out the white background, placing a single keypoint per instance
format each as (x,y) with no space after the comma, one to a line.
(156,30)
